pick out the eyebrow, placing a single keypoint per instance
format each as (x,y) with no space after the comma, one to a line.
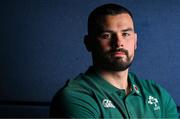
(128,29)
(124,30)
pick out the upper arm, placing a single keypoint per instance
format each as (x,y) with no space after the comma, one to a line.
(170,108)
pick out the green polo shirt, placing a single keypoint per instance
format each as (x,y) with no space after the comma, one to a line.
(90,96)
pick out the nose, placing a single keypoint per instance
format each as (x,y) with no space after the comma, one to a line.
(117,41)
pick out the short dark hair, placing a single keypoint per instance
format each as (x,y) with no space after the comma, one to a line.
(96,17)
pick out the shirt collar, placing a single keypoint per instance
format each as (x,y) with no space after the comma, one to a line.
(135,88)
(100,81)
(91,72)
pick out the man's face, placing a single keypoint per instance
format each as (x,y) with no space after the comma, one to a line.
(115,45)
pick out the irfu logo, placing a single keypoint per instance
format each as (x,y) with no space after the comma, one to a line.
(153,101)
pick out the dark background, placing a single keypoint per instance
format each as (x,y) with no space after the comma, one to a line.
(41,46)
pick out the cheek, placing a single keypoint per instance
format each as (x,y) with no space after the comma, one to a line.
(104,47)
(131,47)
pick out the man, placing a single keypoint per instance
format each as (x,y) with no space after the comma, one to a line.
(107,89)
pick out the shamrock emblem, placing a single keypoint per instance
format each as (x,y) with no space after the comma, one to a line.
(153,101)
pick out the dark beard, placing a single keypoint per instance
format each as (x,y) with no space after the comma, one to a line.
(109,63)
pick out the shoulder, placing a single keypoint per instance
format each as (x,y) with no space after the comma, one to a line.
(148,86)
(75,95)
(150,89)
(75,89)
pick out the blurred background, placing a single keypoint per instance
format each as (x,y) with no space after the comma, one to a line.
(41,47)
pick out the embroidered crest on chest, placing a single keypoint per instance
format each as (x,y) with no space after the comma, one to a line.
(154,102)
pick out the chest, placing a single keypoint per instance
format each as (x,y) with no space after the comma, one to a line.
(132,106)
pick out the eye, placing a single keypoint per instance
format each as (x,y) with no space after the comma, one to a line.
(125,34)
(105,36)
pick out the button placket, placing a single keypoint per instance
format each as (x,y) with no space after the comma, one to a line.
(126,103)
(121,94)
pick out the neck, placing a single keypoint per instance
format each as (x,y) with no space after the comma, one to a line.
(118,79)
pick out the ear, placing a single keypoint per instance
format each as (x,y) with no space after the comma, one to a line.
(135,42)
(88,43)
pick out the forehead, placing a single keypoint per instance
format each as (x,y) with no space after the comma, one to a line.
(119,21)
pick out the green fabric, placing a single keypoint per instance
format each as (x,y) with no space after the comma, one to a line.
(90,96)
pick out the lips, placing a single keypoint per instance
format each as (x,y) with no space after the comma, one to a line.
(119,54)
